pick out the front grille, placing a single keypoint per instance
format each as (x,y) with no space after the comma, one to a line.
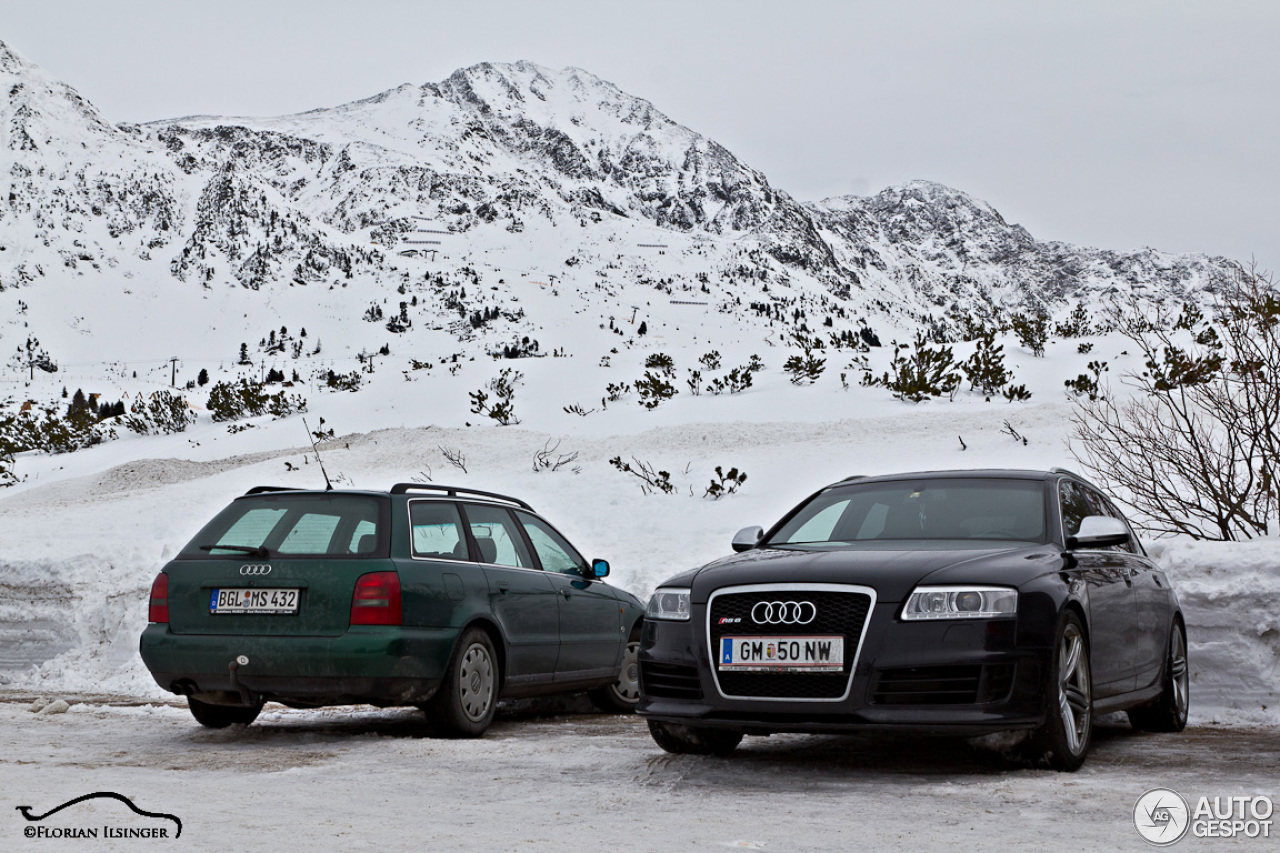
(669,681)
(960,684)
(838,613)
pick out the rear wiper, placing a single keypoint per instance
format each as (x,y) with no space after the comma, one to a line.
(259,551)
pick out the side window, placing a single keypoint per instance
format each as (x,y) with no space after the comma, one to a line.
(437,531)
(556,554)
(1074,507)
(497,537)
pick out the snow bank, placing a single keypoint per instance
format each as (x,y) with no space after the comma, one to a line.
(73,625)
(1230,595)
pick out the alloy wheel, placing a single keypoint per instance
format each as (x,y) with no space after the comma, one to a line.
(1074,689)
(1178,669)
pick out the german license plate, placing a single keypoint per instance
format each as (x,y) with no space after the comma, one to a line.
(243,600)
(782,654)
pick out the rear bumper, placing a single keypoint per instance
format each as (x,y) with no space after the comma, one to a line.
(379,665)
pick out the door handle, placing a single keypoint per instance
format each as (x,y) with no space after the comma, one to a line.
(503,588)
(567,595)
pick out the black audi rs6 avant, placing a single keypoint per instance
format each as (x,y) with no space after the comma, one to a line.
(950,603)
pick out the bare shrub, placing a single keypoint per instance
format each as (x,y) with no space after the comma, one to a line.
(549,458)
(651,480)
(1195,450)
(455,457)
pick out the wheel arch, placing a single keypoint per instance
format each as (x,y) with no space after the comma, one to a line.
(1078,609)
(496,637)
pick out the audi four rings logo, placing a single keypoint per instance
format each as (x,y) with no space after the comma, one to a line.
(784,612)
(255,570)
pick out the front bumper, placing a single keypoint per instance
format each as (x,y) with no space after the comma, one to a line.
(379,665)
(945,677)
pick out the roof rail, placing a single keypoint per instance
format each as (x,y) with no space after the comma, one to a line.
(1065,471)
(852,477)
(454,491)
(257,490)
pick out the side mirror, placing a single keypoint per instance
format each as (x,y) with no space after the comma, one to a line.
(747,538)
(1099,531)
(598,569)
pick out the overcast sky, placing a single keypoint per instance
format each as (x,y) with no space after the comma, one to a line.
(1117,124)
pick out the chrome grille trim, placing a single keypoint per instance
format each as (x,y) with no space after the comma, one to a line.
(848,589)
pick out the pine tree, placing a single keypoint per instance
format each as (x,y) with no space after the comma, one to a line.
(78,403)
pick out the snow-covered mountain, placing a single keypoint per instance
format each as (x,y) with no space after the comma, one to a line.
(484,156)
(79,189)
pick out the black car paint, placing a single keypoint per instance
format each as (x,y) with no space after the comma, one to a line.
(1104,587)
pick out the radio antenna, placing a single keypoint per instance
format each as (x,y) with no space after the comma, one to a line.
(328,487)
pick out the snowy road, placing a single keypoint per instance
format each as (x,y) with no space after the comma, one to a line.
(355,779)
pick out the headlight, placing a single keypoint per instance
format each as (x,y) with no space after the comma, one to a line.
(669,603)
(961,602)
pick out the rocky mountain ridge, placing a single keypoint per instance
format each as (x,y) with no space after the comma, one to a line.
(344,194)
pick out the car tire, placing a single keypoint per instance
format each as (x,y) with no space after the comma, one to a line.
(623,695)
(468,697)
(691,740)
(1168,713)
(220,716)
(1063,741)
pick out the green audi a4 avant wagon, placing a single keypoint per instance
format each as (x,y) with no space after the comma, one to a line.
(441,597)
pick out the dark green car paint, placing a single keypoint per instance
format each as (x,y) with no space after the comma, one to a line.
(553,632)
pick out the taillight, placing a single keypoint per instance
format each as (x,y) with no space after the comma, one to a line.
(376,600)
(158,610)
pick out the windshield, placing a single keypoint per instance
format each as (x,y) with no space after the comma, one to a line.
(926,509)
(294,525)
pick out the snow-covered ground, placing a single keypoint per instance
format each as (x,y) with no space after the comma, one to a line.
(364,779)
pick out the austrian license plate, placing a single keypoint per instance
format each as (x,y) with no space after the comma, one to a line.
(782,654)
(243,600)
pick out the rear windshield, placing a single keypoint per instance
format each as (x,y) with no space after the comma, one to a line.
(289,525)
(950,509)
